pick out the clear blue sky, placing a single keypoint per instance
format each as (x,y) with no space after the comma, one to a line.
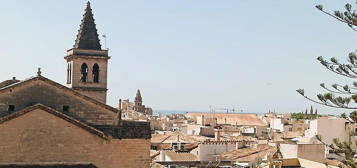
(186,55)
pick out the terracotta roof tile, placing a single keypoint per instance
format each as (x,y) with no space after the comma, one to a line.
(248,154)
(231,118)
(181,157)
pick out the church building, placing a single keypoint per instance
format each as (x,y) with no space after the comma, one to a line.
(47,124)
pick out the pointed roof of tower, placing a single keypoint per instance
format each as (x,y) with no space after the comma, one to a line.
(87,37)
(138,96)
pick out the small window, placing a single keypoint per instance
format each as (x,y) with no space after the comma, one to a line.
(65,109)
(69,74)
(11,108)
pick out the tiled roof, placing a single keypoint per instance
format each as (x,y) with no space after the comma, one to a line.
(248,154)
(57,85)
(170,137)
(159,138)
(314,164)
(156,165)
(47,165)
(180,157)
(231,118)
(8,82)
(292,134)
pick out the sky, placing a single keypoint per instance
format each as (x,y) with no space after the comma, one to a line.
(187,55)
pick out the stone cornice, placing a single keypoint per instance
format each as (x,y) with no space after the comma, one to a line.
(89,88)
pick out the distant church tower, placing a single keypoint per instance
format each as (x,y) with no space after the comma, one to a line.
(138,100)
(87,63)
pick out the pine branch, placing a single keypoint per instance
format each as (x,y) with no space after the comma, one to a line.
(347,70)
(329,100)
(348,17)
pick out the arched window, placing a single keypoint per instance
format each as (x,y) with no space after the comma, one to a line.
(69,73)
(84,72)
(95,73)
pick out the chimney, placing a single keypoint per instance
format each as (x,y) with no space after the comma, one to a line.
(217,135)
(162,156)
(119,106)
(238,146)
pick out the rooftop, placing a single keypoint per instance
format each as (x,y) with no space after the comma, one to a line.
(231,118)
(248,154)
(180,157)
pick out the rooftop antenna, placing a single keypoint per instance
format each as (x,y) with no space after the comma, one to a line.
(105,41)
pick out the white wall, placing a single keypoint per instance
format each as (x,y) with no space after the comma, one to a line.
(249,130)
(329,129)
(276,124)
(209,151)
(289,150)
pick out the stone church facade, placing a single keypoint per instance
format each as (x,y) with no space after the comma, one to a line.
(46,124)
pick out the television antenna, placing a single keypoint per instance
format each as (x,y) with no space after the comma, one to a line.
(105,41)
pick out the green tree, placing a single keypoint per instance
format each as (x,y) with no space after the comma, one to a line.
(340,95)
(332,97)
(297,116)
(342,149)
(353,116)
(343,115)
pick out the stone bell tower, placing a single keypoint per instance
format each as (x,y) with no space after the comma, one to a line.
(87,63)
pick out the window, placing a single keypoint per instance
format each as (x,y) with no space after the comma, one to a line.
(95,73)
(65,109)
(11,108)
(69,73)
(84,72)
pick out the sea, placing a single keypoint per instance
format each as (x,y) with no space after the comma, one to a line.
(168,112)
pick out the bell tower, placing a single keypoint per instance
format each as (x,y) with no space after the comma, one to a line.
(138,99)
(87,62)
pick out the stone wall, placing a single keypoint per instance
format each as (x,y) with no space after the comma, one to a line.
(39,91)
(100,96)
(315,152)
(39,136)
(95,90)
(127,130)
(135,153)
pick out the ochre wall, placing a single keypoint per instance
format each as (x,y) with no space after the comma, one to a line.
(39,136)
(42,92)
(315,152)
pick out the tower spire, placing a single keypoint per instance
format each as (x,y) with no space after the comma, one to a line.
(87,37)
(138,97)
